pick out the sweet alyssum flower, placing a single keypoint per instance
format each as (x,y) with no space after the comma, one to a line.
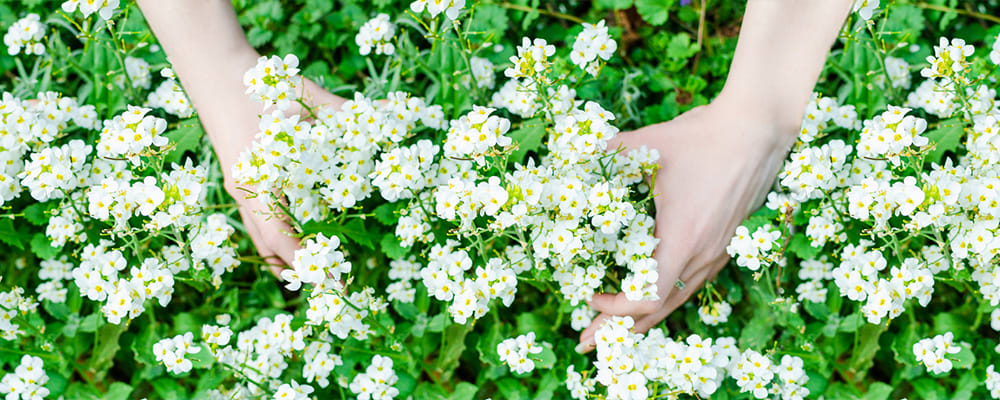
(934,353)
(104,8)
(26,35)
(516,352)
(376,383)
(376,34)
(27,382)
(591,45)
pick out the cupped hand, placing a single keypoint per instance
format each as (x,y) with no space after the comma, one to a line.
(268,229)
(718,163)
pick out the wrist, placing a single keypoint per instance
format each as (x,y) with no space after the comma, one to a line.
(774,122)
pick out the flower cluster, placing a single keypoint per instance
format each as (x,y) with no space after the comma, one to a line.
(627,362)
(274,81)
(104,8)
(516,352)
(450,8)
(317,261)
(173,352)
(27,382)
(533,60)
(26,35)
(592,45)
(754,250)
(934,353)
(13,303)
(950,61)
(376,34)
(170,97)
(376,383)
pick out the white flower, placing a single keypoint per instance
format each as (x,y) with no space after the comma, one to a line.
(376,34)
(934,352)
(172,352)
(451,8)
(376,383)
(274,81)
(516,352)
(715,313)
(865,8)
(27,382)
(592,43)
(26,34)
(104,8)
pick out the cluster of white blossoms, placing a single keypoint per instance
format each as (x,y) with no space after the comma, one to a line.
(470,136)
(754,250)
(376,383)
(889,134)
(517,352)
(934,353)
(316,262)
(816,120)
(25,35)
(376,34)
(130,134)
(104,8)
(27,382)
(450,8)
(173,353)
(170,97)
(715,313)
(482,74)
(592,45)
(898,71)
(858,279)
(137,74)
(628,362)
(865,8)
(993,382)
(274,81)
(446,280)
(950,61)
(12,304)
(532,62)
(995,51)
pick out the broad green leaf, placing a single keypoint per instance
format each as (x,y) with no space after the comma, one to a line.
(929,389)
(758,331)
(878,391)
(186,137)
(9,235)
(963,359)
(613,4)
(42,247)
(680,47)
(528,137)
(391,247)
(513,389)
(167,388)
(454,345)
(118,391)
(802,247)
(388,213)
(544,360)
(38,214)
(868,345)
(654,11)
(947,137)
(464,391)
(352,231)
(107,347)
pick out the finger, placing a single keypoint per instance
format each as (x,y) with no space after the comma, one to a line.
(255,237)
(278,235)
(587,342)
(618,304)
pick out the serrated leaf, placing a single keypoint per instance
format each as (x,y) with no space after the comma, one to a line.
(528,138)
(37,213)
(680,47)
(186,137)
(391,247)
(388,213)
(947,137)
(9,235)
(654,12)
(42,247)
(802,247)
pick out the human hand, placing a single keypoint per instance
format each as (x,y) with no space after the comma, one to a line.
(718,163)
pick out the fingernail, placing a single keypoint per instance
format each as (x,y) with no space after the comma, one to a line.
(582,348)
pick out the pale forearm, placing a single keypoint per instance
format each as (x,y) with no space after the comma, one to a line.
(209,53)
(782,48)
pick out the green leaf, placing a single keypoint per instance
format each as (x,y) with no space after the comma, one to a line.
(167,388)
(388,213)
(758,331)
(464,391)
(802,247)
(38,213)
(118,391)
(391,247)
(89,323)
(613,4)
(528,138)
(107,346)
(42,247)
(186,137)
(438,323)
(654,11)
(929,389)
(680,47)
(9,235)
(868,345)
(963,359)
(878,391)
(353,231)
(544,360)
(454,346)
(947,137)
(513,389)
